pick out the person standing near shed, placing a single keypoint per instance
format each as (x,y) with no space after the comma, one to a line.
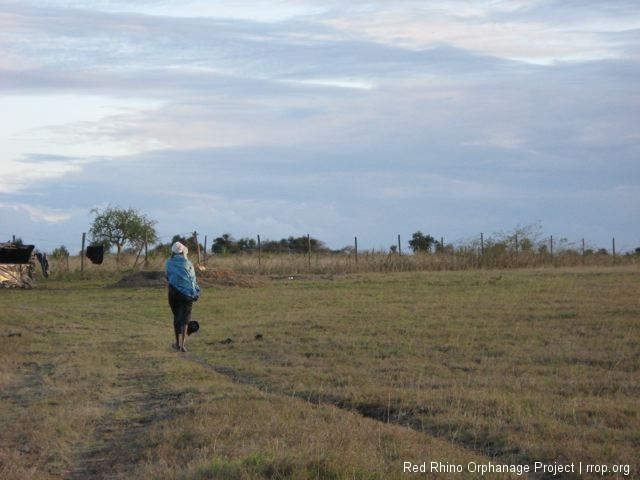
(183,291)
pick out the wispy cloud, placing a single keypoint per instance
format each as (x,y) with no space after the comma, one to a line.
(35,213)
(539,32)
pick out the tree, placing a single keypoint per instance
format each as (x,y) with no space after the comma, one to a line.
(288,245)
(60,253)
(523,238)
(247,245)
(421,243)
(116,227)
(223,245)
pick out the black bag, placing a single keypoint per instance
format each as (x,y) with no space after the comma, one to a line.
(193,327)
(95,253)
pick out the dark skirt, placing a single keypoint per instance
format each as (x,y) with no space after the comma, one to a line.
(181,307)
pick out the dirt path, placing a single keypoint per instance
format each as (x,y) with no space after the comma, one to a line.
(141,396)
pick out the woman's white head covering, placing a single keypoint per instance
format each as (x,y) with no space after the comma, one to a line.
(179,249)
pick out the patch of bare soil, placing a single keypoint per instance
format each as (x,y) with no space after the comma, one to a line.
(142,279)
(121,437)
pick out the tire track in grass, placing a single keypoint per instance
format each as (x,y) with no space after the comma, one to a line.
(495,452)
(120,439)
(25,394)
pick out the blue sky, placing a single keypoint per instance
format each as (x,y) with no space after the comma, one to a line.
(337,119)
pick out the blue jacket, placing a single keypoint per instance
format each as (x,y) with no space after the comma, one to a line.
(182,276)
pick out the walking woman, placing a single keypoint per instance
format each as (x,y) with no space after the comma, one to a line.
(183,291)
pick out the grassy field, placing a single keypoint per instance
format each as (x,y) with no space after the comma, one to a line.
(327,377)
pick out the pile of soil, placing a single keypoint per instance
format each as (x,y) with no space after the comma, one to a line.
(142,279)
(206,278)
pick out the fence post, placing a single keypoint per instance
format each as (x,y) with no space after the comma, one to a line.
(613,249)
(551,245)
(482,244)
(204,259)
(583,251)
(259,255)
(195,238)
(84,236)
(399,246)
(309,249)
(356,250)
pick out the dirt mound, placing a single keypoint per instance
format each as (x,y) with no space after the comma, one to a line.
(206,278)
(142,279)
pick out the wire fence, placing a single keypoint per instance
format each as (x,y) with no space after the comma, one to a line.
(311,257)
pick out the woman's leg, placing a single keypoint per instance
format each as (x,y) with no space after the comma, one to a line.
(175,304)
(184,337)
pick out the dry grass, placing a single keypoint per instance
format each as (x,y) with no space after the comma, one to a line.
(522,366)
(351,377)
(276,265)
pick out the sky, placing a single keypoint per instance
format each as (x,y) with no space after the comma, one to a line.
(279,118)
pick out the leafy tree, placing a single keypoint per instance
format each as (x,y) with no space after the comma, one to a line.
(60,253)
(526,238)
(226,244)
(223,245)
(421,243)
(116,227)
(273,246)
(294,245)
(442,247)
(247,245)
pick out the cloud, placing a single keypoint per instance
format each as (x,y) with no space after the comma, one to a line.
(574,31)
(27,175)
(35,213)
(330,118)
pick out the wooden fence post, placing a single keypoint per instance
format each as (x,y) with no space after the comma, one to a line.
(613,249)
(84,236)
(205,250)
(195,238)
(356,250)
(259,255)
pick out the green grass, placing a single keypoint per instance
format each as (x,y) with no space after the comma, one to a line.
(352,376)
